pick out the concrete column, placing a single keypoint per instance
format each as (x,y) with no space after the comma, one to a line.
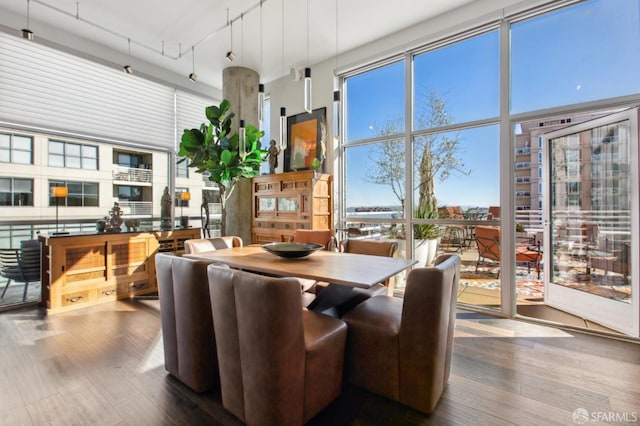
(240,87)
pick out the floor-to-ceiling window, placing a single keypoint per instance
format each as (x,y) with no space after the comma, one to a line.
(453,166)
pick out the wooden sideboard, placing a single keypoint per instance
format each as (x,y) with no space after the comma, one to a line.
(285,202)
(88,269)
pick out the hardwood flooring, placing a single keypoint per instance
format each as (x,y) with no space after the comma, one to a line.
(104,366)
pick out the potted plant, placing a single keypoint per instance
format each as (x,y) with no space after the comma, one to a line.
(426,236)
(214,150)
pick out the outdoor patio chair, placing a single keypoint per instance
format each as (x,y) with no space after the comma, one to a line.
(488,242)
(21,265)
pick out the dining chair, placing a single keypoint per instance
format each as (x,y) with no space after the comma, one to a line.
(199,245)
(334,299)
(279,364)
(187,325)
(401,348)
(21,265)
(371,247)
(315,236)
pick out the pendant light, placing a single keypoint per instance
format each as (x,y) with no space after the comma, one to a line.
(127,68)
(193,77)
(336,92)
(307,73)
(283,110)
(242,139)
(260,85)
(283,129)
(26,32)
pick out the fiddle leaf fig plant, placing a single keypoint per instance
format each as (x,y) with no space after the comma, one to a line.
(214,151)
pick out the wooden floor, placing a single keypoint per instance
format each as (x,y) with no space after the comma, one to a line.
(104,366)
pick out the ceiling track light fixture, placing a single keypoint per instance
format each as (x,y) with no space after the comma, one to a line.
(127,68)
(230,56)
(26,32)
(193,77)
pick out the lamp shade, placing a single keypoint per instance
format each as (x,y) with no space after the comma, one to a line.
(185,196)
(59,191)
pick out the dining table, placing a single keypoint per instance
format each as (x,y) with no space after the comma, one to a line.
(356,270)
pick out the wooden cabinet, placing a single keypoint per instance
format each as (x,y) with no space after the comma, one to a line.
(85,270)
(285,202)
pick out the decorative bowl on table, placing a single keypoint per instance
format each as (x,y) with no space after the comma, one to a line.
(292,250)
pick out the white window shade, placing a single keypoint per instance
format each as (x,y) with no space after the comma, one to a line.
(43,87)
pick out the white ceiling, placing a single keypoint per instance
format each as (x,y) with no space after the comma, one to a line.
(179,25)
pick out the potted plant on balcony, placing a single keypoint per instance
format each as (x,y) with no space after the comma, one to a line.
(426,236)
(214,150)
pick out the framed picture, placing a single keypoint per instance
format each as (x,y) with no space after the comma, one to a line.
(307,141)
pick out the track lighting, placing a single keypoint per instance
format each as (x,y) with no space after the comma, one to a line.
(26,32)
(193,77)
(127,68)
(230,56)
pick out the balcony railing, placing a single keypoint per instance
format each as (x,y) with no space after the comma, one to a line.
(132,174)
(136,208)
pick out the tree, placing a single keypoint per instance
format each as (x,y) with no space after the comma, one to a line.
(214,150)
(438,152)
(387,158)
(436,155)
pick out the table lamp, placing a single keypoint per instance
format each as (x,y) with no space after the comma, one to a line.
(184,220)
(58,192)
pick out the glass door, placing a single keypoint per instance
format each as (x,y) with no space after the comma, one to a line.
(591,221)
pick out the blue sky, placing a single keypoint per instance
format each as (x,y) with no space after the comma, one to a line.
(581,53)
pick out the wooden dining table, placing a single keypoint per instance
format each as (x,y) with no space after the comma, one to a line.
(356,270)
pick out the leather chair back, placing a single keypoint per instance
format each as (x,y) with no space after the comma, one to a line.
(279,364)
(401,348)
(259,319)
(322,236)
(372,247)
(426,331)
(199,245)
(187,326)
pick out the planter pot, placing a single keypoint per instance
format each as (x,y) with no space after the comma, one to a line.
(425,251)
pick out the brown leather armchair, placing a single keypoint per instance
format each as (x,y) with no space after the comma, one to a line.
(317,236)
(279,364)
(321,236)
(199,245)
(187,326)
(372,247)
(401,349)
